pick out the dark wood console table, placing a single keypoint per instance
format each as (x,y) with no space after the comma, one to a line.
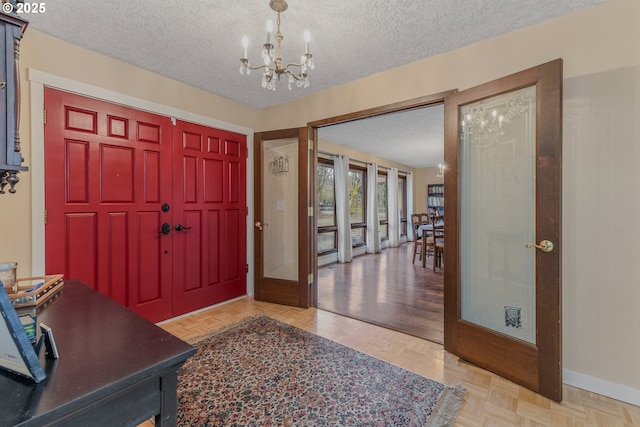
(115,368)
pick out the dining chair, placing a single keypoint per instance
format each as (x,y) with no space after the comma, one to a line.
(418,220)
(438,241)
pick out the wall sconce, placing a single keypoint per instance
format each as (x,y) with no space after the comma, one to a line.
(440,173)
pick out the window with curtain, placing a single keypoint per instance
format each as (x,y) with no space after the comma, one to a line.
(357,203)
(382,206)
(327,241)
(327,227)
(402,203)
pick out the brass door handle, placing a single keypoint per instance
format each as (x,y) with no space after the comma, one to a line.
(545,245)
(258,225)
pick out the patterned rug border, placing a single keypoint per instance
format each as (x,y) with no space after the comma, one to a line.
(448,406)
(443,414)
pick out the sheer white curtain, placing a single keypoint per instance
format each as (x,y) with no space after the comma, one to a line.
(410,236)
(373,220)
(341,170)
(393,213)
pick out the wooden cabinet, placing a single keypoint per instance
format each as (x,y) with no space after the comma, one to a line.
(11,30)
(115,368)
(435,199)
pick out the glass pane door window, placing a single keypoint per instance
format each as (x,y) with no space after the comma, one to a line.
(326,195)
(356,196)
(280,208)
(383,215)
(497,191)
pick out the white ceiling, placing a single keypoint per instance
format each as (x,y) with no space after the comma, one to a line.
(414,138)
(199,42)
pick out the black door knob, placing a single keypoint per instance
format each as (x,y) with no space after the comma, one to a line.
(179,227)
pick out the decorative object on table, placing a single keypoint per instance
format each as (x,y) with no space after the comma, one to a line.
(28,323)
(33,291)
(8,276)
(16,352)
(266,372)
(51,351)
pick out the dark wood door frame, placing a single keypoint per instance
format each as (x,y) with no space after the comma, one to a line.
(410,104)
(277,290)
(536,366)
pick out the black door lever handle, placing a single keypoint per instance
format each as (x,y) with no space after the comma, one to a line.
(179,227)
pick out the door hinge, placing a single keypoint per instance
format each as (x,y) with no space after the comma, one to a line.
(311,144)
(311,210)
(173,121)
(44,116)
(247,267)
(246,210)
(310,278)
(45,217)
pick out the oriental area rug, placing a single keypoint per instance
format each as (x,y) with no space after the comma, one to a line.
(263,372)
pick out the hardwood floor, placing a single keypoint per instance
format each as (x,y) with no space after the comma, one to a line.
(388,290)
(490,400)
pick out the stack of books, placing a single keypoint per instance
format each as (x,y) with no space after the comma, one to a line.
(33,291)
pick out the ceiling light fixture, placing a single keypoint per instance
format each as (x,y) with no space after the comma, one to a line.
(272,56)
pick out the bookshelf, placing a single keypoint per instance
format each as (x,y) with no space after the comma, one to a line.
(435,199)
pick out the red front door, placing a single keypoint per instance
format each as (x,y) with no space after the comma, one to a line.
(162,235)
(210,219)
(104,191)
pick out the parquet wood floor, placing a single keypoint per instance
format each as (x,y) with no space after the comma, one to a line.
(386,289)
(490,400)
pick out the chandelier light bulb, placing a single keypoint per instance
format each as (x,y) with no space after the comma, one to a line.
(307,39)
(245,45)
(269,30)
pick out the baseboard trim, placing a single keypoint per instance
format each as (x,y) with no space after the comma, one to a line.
(610,389)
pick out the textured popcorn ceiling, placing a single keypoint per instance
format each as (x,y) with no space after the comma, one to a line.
(199,42)
(414,138)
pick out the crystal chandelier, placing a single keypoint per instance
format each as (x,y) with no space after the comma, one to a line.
(272,56)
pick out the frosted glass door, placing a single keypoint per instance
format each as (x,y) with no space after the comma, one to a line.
(498,213)
(280,208)
(503,216)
